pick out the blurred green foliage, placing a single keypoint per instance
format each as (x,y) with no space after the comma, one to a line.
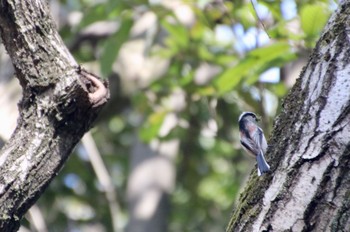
(210,168)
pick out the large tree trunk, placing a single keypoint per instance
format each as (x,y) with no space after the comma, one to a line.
(60,101)
(309,186)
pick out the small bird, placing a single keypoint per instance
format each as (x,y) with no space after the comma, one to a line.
(253,140)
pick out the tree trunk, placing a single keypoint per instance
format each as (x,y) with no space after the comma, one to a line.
(60,102)
(309,186)
(151,180)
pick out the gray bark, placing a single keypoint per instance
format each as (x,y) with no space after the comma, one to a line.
(59,104)
(309,187)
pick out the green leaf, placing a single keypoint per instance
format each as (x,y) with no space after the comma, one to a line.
(152,126)
(186,79)
(270,52)
(101,12)
(313,18)
(177,33)
(206,91)
(112,46)
(256,62)
(274,55)
(116,124)
(231,77)
(246,16)
(94,14)
(204,53)
(279,89)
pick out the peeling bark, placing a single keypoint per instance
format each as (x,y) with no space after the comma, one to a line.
(309,187)
(59,104)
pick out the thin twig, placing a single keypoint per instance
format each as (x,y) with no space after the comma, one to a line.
(259,19)
(36,218)
(103,177)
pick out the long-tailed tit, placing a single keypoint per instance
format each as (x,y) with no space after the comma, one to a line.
(253,140)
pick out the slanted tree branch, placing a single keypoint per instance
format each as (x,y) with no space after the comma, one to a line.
(59,104)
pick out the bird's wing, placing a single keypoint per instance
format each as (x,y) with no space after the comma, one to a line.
(263,142)
(249,144)
(248,147)
(260,140)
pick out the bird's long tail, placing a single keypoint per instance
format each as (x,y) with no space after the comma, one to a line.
(262,164)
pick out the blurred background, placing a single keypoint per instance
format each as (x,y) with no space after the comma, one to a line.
(164,154)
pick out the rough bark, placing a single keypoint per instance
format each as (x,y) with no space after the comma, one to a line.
(309,186)
(60,102)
